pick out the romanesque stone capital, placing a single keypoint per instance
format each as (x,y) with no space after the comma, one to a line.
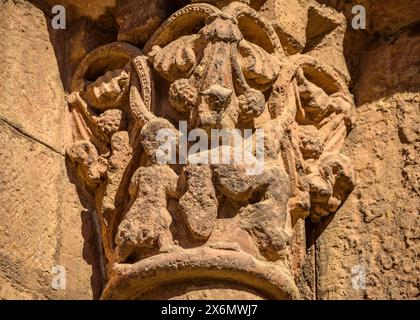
(212,66)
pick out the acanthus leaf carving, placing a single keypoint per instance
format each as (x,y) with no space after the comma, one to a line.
(213,77)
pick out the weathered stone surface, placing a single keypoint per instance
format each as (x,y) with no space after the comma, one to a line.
(384,20)
(31,188)
(80,247)
(44,222)
(378,227)
(95,10)
(290,19)
(32,97)
(388,67)
(386,17)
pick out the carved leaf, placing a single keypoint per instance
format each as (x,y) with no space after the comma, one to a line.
(259,67)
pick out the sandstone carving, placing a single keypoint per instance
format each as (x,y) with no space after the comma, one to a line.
(214,65)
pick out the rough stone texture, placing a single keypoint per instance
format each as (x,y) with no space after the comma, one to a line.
(386,17)
(53,219)
(31,213)
(79,245)
(213,65)
(378,227)
(32,98)
(389,67)
(384,20)
(94,10)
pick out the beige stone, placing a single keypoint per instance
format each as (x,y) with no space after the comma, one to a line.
(31,213)
(44,221)
(27,58)
(332,215)
(232,72)
(378,227)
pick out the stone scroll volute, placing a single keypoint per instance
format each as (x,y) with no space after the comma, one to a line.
(211,229)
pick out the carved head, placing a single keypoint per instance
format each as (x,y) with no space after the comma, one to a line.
(217,64)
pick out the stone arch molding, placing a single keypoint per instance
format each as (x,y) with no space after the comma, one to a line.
(213,65)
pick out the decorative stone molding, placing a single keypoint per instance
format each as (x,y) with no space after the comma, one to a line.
(216,65)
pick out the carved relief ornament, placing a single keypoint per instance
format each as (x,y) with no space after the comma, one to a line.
(213,65)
